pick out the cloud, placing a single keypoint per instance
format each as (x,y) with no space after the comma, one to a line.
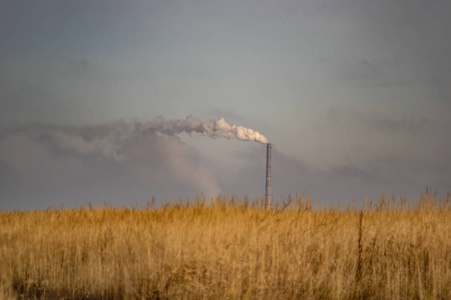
(36,171)
(376,120)
(386,174)
(391,70)
(289,174)
(76,66)
(28,154)
(48,165)
(417,32)
(161,161)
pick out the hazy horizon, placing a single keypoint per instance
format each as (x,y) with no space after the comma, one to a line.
(353,95)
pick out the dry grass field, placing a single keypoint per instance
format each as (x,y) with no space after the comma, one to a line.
(229,250)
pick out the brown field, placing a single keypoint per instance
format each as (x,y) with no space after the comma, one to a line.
(229,250)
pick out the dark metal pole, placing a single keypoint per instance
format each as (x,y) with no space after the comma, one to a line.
(268,175)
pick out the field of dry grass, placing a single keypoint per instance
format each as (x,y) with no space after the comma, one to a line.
(229,250)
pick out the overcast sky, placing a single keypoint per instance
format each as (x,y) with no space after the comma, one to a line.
(354,95)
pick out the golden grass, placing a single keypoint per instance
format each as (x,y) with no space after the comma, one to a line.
(229,250)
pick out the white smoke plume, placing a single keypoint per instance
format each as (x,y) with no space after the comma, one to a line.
(108,140)
(210,128)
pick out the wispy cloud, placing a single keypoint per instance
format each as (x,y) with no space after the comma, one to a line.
(57,156)
(376,120)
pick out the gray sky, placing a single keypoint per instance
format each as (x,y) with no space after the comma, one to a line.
(354,96)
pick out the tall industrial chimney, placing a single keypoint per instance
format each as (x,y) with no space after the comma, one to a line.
(268,175)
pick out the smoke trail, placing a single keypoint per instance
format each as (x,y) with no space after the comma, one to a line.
(108,140)
(210,128)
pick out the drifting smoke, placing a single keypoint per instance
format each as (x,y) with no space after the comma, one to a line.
(109,140)
(210,128)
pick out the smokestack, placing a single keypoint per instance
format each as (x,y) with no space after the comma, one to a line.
(268,175)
